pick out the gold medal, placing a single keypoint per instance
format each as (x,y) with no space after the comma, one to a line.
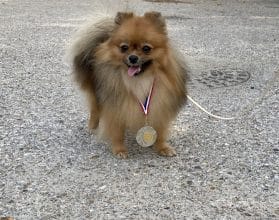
(146,136)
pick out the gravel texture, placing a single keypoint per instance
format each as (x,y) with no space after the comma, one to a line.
(51,167)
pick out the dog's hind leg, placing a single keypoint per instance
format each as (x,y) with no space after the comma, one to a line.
(94,114)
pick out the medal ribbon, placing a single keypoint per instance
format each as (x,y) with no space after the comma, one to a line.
(146,104)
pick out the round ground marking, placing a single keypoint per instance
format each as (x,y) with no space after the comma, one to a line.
(217,78)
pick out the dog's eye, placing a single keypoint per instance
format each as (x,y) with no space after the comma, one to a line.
(124,48)
(146,49)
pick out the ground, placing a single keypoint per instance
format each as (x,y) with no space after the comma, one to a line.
(51,167)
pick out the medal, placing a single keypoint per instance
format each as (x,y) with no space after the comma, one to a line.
(146,136)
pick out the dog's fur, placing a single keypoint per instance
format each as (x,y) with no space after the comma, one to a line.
(101,71)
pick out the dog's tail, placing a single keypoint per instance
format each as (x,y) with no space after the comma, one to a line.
(82,46)
(97,29)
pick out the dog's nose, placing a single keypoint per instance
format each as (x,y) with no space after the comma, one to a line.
(133,59)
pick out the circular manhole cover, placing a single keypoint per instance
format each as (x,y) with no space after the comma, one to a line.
(217,78)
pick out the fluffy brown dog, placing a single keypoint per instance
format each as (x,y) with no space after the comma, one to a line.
(116,61)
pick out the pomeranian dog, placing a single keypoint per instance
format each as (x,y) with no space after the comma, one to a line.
(134,79)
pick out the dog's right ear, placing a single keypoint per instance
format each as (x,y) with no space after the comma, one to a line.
(122,16)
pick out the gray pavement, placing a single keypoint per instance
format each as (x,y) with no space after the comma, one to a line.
(52,168)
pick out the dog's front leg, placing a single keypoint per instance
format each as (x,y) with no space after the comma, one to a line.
(161,145)
(117,141)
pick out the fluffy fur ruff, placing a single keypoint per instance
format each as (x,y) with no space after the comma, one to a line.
(113,95)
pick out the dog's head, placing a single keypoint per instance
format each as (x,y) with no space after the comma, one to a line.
(137,42)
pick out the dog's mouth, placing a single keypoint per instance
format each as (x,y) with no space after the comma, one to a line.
(135,70)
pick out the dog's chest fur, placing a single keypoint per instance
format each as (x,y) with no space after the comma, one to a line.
(139,86)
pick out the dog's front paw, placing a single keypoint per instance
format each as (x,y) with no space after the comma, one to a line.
(165,150)
(120,152)
(122,155)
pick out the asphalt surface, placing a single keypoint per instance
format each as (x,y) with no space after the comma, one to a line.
(51,167)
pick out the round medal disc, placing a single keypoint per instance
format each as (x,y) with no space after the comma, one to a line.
(146,136)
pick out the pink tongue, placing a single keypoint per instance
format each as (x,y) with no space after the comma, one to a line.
(132,70)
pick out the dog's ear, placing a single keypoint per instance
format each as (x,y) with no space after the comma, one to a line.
(122,16)
(156,18)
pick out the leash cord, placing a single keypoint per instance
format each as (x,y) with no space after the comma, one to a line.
(248,107)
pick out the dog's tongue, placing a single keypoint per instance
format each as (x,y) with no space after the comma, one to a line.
(132,70)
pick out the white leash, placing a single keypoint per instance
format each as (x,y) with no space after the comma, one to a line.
(248,108)
(207,112)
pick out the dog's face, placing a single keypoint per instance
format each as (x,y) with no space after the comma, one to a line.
(138,42)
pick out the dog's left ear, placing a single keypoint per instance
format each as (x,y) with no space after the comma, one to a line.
(122,16)
(156,18)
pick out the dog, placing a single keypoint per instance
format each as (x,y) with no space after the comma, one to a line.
(134,78)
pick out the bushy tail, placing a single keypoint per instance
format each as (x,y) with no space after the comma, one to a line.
(83,46)
(84,42)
